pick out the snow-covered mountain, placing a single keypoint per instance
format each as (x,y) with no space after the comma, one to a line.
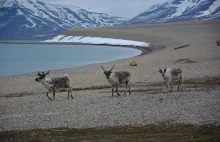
(179,10)
(36,20)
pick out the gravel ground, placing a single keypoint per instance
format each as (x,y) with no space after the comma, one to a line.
(197,104)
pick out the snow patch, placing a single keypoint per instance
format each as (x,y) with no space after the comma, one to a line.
(182,7)
(32,22)
(19,12)
(212,8)
(97,40)
(56,39)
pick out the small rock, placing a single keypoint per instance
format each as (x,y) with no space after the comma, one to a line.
(133,63)
(218,42)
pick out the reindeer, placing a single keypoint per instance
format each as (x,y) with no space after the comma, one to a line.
(117,78)
(170,75)
(54,84)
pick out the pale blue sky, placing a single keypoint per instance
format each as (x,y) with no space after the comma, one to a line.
(123,8)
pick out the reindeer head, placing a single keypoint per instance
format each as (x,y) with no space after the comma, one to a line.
(163,71)
(41,76)
(108,73)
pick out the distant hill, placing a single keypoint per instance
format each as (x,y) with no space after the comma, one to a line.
(36,20)
(179,10)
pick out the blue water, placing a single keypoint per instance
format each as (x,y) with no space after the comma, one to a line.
(18,59)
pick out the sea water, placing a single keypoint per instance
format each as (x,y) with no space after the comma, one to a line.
(16,59)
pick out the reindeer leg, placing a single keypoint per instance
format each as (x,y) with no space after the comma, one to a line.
(112,91)
(71,93)
(68,94)
(171,87)
(126,85)
(129,89)
(117,90)
(167,86)
(48,96)
(179,85)
(53,93)
(181,80)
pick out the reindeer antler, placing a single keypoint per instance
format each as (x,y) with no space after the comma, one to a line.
(112,68)
(46,73)
(103,68)
(39,74)
(42,73)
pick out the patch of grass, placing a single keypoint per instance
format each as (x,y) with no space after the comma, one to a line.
(20,94)
(92,88)
(161,132)
(206,80)
(195,82)
(184,61)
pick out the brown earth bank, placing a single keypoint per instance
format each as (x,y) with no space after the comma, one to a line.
(190,46)
(161,132)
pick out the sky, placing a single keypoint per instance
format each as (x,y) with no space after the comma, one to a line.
(121,8)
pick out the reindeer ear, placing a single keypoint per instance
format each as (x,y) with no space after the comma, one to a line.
(165,70)
(47,73)
(160,70)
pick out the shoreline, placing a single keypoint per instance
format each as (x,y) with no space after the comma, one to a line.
(145,50)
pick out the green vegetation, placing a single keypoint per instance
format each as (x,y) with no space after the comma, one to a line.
(162,132)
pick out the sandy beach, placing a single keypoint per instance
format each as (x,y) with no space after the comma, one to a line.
(24,104)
